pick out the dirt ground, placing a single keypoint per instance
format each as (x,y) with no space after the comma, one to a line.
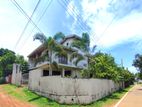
(133,98)
(8,101)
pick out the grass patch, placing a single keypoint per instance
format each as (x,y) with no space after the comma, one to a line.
(26,95)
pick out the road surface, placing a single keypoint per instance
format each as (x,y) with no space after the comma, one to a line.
(132,99)
(8,101)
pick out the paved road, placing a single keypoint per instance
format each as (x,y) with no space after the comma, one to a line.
(133,98)
(8,101)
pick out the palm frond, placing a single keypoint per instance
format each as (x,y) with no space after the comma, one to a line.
(73,55)
(94,48)
(80,58)
(62,53)
(41,37)
(55,64)
(86,38)
(59,36)
(77,44)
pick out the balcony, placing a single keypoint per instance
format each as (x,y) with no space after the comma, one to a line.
(34,62)
(62,60)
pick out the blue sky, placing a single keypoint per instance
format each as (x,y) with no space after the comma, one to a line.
(115,26)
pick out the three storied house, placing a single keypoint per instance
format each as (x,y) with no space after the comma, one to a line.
(39,66)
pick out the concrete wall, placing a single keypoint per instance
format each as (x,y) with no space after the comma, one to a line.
(25,78)
(16,75)
(34,79)
(70,91)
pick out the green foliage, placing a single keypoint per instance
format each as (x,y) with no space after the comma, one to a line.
(58,37)
(76,57)
(40,37)
(51,43)
(103,65)
(138,76)
(23,63)
(82,43)
(137,62)
(7,58)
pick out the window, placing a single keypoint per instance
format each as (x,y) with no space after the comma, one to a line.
(56,73)
(63,60)
(67,73)
(67,44)
(45,73)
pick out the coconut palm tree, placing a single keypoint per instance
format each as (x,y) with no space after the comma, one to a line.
(58,37)
(51,44)
(82,44)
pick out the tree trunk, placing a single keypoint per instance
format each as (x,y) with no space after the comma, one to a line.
(50,63)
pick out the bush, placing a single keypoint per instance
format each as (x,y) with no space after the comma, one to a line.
(2,80)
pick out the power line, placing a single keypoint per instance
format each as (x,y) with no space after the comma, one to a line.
(26,23)
(81,28)
(79,18)
(108,25)
(102,34)
(25,14)
(38,21)
(78,15)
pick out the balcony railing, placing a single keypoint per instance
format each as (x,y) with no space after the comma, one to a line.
(62,60)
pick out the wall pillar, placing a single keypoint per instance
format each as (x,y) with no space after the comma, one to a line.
(63,72)
(50,72)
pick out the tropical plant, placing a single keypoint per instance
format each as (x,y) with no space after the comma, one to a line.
(51,44)
(58,37)
(23,63)
(82,44)
(103,65)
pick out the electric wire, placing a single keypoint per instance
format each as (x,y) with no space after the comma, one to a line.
(26,23)
(30,34)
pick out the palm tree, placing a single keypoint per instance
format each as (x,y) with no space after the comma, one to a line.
(59,37)
(51,44)
(83,44)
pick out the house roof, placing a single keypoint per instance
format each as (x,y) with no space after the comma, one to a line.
(70,37)
(37,50)
(42,47)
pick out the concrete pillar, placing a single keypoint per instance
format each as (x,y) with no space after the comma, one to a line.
(50,72)
(63,72)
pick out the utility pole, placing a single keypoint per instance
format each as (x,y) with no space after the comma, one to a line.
(122,62)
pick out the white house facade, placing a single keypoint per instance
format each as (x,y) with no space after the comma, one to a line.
(66,66)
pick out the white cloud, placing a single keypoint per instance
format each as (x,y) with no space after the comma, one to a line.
(126,29)
(12,23)
(132,69)
(73,12)
(97,16)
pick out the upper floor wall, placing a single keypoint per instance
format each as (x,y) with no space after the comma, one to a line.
(35,59)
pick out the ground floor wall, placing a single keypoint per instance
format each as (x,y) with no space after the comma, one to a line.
(69,90)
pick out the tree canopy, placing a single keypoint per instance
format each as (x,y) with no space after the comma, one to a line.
(137,62)
(102,65)
(7,58)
